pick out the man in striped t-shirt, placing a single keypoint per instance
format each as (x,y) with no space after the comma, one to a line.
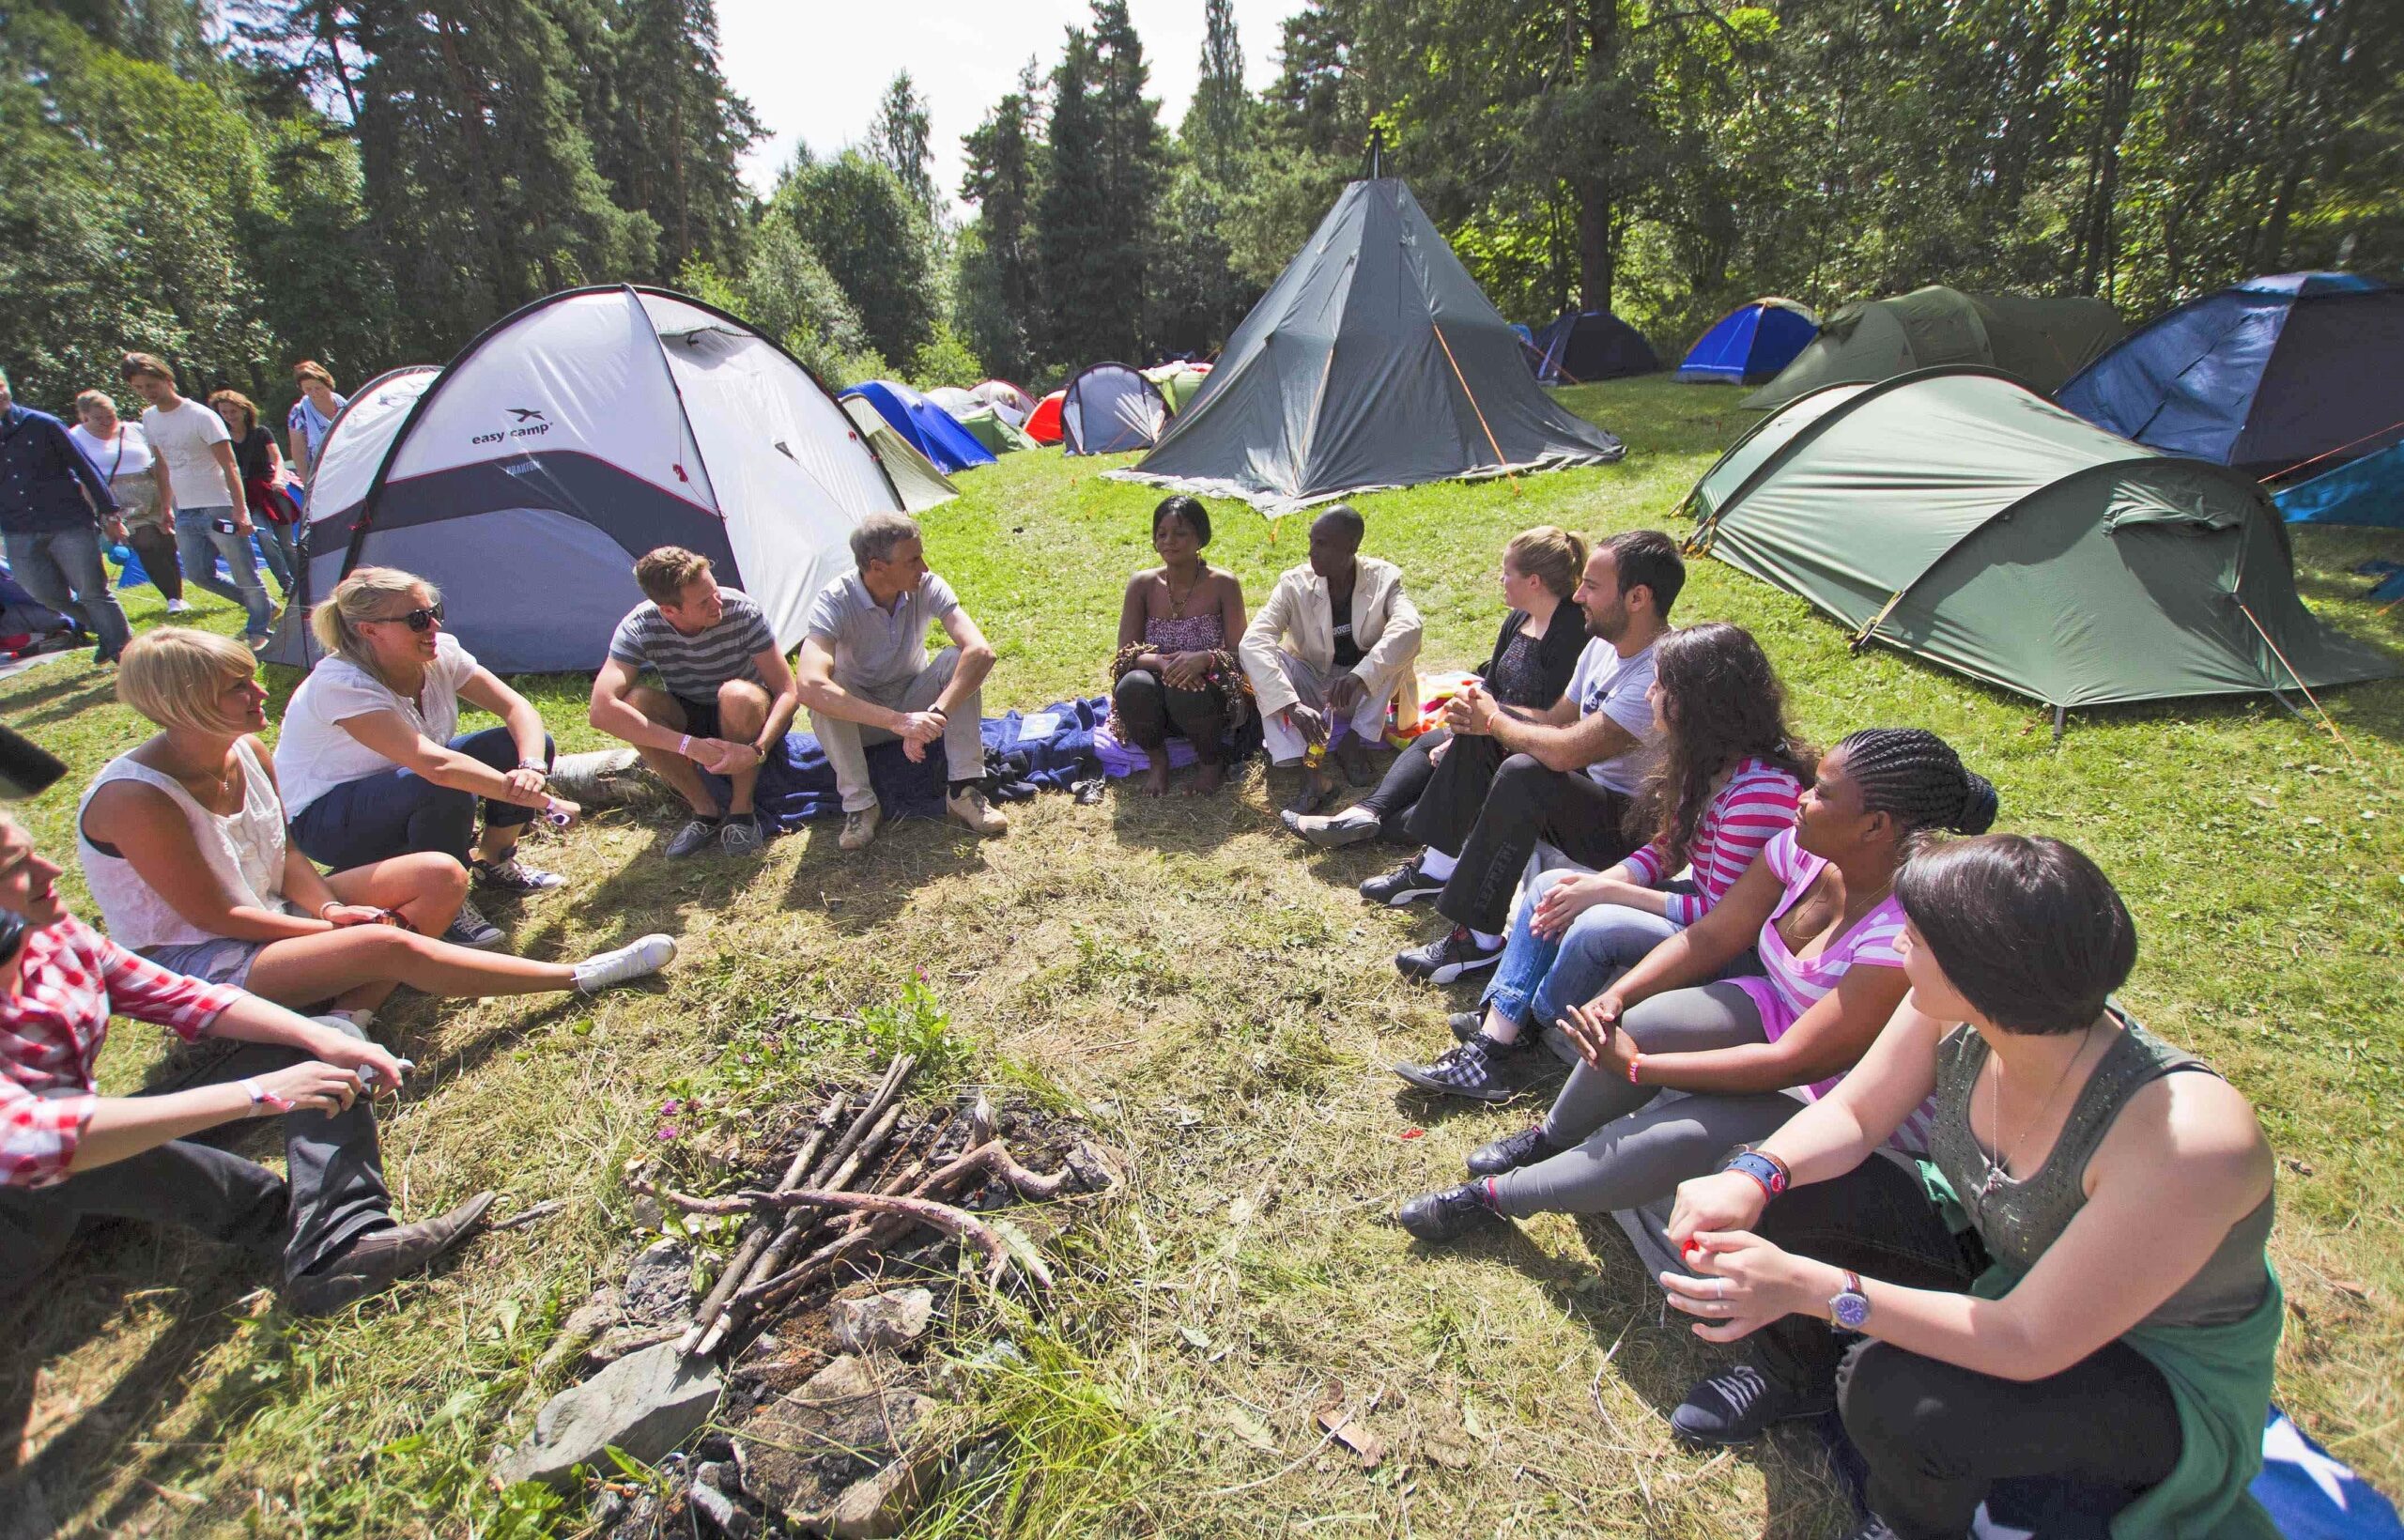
(726,695)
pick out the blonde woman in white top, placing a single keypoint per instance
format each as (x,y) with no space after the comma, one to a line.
(146,503)
(184,848)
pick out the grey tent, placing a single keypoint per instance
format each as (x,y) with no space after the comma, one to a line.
(2040,342)
(1956,514)
(1374,360)
(1111,408)
(915,476)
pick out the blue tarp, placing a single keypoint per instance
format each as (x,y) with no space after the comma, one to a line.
(2366,491)
(1749,344)
(2263,377)
(935,432)
(1048,750)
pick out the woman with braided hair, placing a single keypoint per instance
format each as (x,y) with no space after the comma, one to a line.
(1818,908)
(1176,667)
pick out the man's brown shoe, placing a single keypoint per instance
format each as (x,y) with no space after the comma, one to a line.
(380,1259)
(970,810)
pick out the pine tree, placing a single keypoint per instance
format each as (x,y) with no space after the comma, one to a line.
(1215,124)
(1134,171)
(1070,220)
(997,286)
(672,142)
(897,137)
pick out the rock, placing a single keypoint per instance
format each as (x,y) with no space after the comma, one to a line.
(881,1321)
(622,1341)
(659,1285)
(583,1324)
(645,1212)
(804,1453)
(734,1522)
(646,1405)
(605,777)
(881,1504)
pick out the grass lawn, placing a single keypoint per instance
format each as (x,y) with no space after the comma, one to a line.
(1220,1002)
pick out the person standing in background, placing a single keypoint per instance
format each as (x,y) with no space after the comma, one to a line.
(138,480)
(212,516)
(266,484)
(51,502)
(306,425)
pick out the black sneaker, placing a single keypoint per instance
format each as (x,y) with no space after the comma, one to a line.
(515,876)
(469,927)
(1525,1147)
(1465,1070)
(1738,1404)
(694,838)
(742,836)
(1406,883)
(1448,1215)
(1447,957)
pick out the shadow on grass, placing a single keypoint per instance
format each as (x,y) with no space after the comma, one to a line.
(860,892)
(94,692)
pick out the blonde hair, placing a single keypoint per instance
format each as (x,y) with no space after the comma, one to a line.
(1552,556)
(663,573)
(356,598)
(86,400)
(217,399)
(174,675)
(311,369)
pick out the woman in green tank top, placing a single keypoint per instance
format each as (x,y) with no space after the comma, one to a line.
(2073,1286)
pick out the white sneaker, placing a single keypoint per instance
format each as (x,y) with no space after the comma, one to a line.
(178,607)
(859,827)
(632,961)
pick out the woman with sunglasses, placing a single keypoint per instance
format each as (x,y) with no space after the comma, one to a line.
(184,845)
(373,764)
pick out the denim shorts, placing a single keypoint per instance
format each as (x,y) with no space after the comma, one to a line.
(220,959)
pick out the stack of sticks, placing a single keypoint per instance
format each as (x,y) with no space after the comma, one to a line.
(813,1201)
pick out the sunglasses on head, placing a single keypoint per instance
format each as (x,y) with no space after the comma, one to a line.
(420,619)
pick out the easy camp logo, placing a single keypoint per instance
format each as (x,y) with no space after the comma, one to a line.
(527,423)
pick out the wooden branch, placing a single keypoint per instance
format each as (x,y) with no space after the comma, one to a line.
(957,1222)
(524,1217)
(757,1234)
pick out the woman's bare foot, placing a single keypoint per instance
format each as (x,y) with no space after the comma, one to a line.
(1208,778)
(1156,775)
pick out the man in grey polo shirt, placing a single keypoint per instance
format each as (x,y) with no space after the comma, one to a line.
(866,677)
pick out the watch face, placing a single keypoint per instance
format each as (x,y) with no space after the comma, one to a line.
(1850,1311)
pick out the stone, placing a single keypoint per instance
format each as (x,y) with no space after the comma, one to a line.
(881,1504)
(645,1404)
(645,1212)
(584,1323)
(659,1285)
(603,778)
(803,1453)
(881,1321)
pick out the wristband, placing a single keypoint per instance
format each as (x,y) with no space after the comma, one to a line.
(537,766)
(1633,1060)
(330,903)
(684,746)
(261,1096)
(1768,1170)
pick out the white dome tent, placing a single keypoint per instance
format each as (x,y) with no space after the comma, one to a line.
(587,428)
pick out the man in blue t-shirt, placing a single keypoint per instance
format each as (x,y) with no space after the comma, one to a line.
(726,695)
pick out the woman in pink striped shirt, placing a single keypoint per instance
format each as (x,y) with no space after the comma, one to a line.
(1726,780)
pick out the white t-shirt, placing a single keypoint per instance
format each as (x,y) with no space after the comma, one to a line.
(315,753)
(135,461)
(1616,686)
(182,439)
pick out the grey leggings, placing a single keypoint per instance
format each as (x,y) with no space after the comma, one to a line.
(1623,1148)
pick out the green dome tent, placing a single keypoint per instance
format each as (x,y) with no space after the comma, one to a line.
(2040,342)
(1958,516)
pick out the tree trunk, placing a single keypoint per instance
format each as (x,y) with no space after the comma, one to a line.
(1594,254)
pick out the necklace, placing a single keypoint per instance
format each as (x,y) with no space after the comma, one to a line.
(1176,605)
(1998,1170)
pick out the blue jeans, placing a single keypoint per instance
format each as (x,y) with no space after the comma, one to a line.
(1537,981)
(397,812)
(280,546)
(62,569)
(199,544)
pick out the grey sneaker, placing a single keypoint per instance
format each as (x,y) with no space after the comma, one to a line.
(742,836)
(694,838)
(515,876)
(469,927)
(860,827)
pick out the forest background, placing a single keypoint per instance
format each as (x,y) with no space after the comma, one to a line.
(370,182)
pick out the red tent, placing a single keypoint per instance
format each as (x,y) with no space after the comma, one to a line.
(1044,427)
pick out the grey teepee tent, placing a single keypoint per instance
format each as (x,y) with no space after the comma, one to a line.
(1374,360)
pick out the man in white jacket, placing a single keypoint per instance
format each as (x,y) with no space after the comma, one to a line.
(1337,640)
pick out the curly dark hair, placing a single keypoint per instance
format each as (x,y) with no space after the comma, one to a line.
(1723,704)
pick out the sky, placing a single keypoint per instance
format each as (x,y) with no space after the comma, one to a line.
(813,69)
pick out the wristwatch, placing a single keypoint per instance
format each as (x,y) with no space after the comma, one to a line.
(1849,1308)
(1764,1169)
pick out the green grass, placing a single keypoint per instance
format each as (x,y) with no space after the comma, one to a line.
(1220,1004)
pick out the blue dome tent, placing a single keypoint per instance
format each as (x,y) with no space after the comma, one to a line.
(2265,375)
(1750,344)
(2367,491)
(935,432)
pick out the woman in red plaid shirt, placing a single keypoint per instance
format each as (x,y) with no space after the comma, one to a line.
(67,1152)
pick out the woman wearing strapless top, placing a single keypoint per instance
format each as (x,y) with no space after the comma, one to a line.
(1176,669)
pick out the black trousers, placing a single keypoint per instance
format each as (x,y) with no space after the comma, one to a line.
(157,549)
(334,1192)
(1151,708)
(1935,1436)
(1444,809)
(1394,796)
(1525,803)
